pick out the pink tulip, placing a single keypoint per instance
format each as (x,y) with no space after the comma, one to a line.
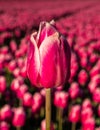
(4,125)
(86,104)
(92,86)
(12,65)
(27,99)
(48,62)
(13,46)
(96,95)
(16,83)
(86,113)
(2,84)
(22,90)
(20,62)
(74,115)
(74,90)
(23,72)
(89,124)
(6,113)
(4,50)
(82,77)
(19,117)
(61,99)
(37,102)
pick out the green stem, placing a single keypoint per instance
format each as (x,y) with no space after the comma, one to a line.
(73,126)
(60,121)
(18,128)
(48,109)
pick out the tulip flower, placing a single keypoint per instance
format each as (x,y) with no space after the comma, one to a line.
(61,99)
(74,90)
(75,112)
(27,99)
(88,124)
(48,62)
(96,95)
(4,125)
(6,113)
(82,77)
(19,117)
(86,104)
(86,113)
(2,84)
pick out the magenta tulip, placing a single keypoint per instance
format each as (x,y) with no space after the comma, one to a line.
(19,117)
(4,126)
(2,84)
(6,113)
(61,99)
(27,99)
(48,62)
(75,113)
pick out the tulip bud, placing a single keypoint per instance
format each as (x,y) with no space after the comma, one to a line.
(19,117)
(13,46)
(86,113)
(4,126)
(74,90)
(74,115)
(96,95)
(27,99)
(55,70)
(22,90)
(82,77)
(2,84)
(37,102)
(60,99)
(12,65)
(86,104)
(6,113)
(89,124)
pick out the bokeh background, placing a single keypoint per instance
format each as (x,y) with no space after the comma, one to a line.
(22,105)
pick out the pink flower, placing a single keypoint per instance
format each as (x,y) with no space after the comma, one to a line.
(27,99)
(96,95)
(86,113)
(89,124)
(12,65)
(22,90)
(19,117)
(74,115)
(2,84)
(6,113)
(86,104)
(60,99)
(43,125)
(48,62)
(4,126)
(74,90)
(37,102)
(82,77)
(13,45)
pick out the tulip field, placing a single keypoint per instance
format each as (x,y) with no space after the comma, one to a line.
(75,103)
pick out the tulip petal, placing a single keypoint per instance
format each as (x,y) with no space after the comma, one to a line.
(33,61)
(48,51)
(45,29)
